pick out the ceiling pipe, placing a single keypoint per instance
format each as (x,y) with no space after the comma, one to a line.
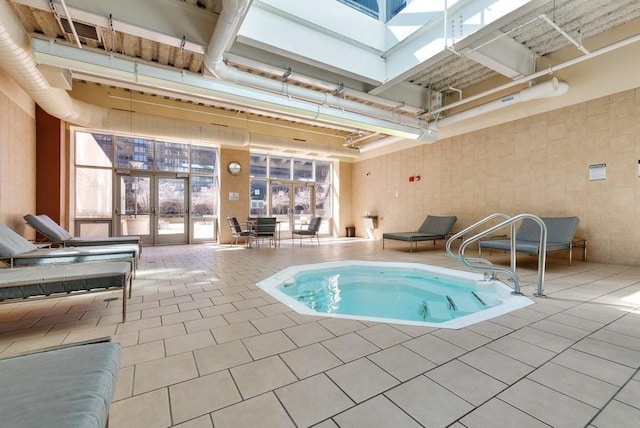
(17,60)
(331,109)
(324,85)
(547,71)
(550,88)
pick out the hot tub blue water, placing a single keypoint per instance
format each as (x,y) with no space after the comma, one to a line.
(407,293)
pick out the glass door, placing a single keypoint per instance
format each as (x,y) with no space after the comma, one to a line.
(171,227)
(292,204)
(134,213)
(152,207)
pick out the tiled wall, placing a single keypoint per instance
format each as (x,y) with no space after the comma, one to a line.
(538,165)
(17,157)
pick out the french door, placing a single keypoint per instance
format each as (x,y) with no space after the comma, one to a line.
(153,206)
(292,203)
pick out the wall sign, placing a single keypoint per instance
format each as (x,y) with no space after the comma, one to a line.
(598,171)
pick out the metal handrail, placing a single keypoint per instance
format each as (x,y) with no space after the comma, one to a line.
(509,221)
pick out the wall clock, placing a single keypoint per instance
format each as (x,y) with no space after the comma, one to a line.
(234,168)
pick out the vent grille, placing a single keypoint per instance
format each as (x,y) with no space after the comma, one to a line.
(86,31)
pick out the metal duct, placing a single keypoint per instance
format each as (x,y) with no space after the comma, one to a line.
(17,60)
(550,88)
(330,107)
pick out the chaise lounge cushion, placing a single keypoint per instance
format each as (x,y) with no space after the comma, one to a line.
(69,387)
(560,234)
(433,227)
(48,227)
(12,244)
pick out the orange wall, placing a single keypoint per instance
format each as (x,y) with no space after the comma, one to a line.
(50,166)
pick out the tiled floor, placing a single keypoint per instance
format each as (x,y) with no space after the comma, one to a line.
(204,347)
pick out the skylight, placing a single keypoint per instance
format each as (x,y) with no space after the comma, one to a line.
(390,8)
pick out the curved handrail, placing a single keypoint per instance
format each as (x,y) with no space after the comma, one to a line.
(468,229)
(482,264)
(542,248)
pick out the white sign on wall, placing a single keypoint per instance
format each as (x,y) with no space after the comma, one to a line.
(598,171)
(234,196)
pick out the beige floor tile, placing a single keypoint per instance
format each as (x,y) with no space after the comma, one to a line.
(547,405)
(378,412)
(131,326)
(146,410)
(630,394)
(490,329)
(268,344)
(234,332)
(560,329)
(163,332)
(124,384)
(201,422)
(310,360)
(618,415)
(181,317)
(308,333)
(577,385)
(497,365)
(202,395)
(164,372)
(188,342)
(383,335)
(126,339)
(521,351)
(465,339)
(578,369)
(220,357)
(207,323)
(350,347)
(340,326)
(361,379)
(141,353)
(429,403)
(498,414)
(434,349)
(243,315)
(312,400)
(261,376)
(263,411)
(273,323)
(542,339)
(217,310)
(608,371)
(156,312)
(401,363)
(609,351)
(466,382)
(616,338)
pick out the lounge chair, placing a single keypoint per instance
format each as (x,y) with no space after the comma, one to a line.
(264,228)
(433,228)
(56,234)
(70,385)
(17,251)
(236,231)
(53,279)
(560,237)
(311,231)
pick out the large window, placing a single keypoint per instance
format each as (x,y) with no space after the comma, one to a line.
(101,158)
(281,185)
